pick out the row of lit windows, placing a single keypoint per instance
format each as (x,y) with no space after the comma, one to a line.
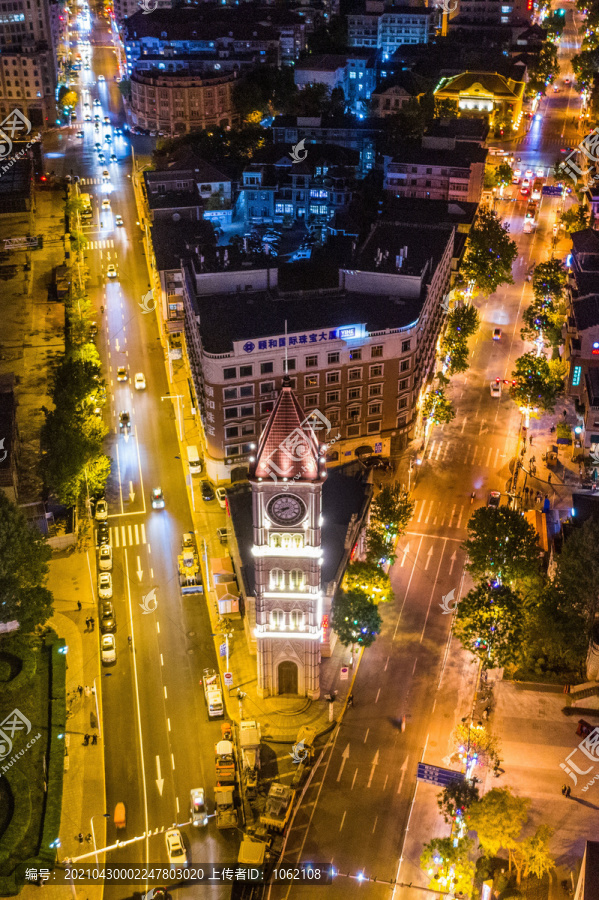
(295,580)
(278,619)
(232,373)
(286,541)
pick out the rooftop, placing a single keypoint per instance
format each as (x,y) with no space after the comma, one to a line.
(421,212)
(585,241)
(586,311)
(465,154)
(417,247)
(489,81)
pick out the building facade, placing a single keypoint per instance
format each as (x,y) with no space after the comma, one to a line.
(28,61)
(175,104)
(355,74)
(287,474)
(353,135)
(484,94)
(388,30)
(454,173)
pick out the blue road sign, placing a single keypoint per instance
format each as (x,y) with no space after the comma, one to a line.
(437,775)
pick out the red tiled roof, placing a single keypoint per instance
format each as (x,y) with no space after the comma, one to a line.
(288,447)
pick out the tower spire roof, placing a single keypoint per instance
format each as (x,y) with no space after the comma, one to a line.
(288,447)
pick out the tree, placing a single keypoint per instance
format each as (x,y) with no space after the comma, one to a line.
(501,545)
(535,388)
(407,124)
(24,556)
(445,108)
(392,508)
(585,66)
(474,740)
(556,635)
(532,855)
(543,320)
(549,279)
(577,575)
(457,798)
(489,622)
(543,69)
(575,219)
(437,407)
(312,100)
(462,322)
(503,174)
(498,818)
(355,619)
(379,546)
(369,578)
(490,253)
(125,88)
(448,865)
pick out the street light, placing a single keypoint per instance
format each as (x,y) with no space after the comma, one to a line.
(91,823)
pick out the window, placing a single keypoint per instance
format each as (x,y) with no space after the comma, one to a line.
(231,432)
(333,377)
(376,371)
(296,579)
(266,408)
(230,394)
(375,409)
(332,359)
(402,403)
(277,579)
(296,620)
(247,411)
(267,387)
(375,390)
(404,384)
(311,381)
(401,421)
(334,416)
(277,618)
(373,427)
(247,390)
(231,412)
(231,451)
(275,541)
(353,431)
(355,355)
(353,413)
(354,375)
(289,365)
(405,346)
(228,374)
(354,393)
(333,396)
(266,368)
(404,365)
(246,371)
(310,400)
(311,362)
(247,428)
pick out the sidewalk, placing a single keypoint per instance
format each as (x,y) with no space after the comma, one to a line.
(84,788)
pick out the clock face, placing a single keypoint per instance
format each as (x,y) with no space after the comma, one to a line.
(286,509)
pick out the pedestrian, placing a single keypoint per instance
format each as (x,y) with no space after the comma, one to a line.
(568,791)
(80,838)
(87,622)
(533,459)
(88,690)
(549,478)
(78,605)
(92,623)
(80,690)
(88,838)
(85,740)
(565,413)
(350,699)
(530,440)
(95,739)
(564,789)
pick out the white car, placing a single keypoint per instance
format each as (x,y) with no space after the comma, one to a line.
(111,271)
(108,649)
(101,510)
(496,389)
(221,496)
(118,220)
(105,586)
(105,203)
(101,78)
(140,381)
(105,558)
(157,498)
(174,848)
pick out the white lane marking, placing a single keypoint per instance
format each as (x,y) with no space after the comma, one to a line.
(366,735)
(489,457)
(168,722)
(460,517)
(173,762)
(143,536)
(165,693)
(354,779)
(377,695)
(161,660)
(342,820)
(136,529)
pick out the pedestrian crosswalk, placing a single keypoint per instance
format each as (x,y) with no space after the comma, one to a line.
(464,452)
(85,182)
(100,245)
(128,535)
(439,513)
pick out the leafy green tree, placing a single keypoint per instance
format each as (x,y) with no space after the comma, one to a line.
(532,855)
(24,556)
(544,69)
(312,100)
(490,253)
(408,123)
(355,619)
(125,88)
(535,387)
(458,796)
(585,66)
(577,575)
(501,545)
(369,578)
(78,240)
(543,320)
(503,175)
(448,866)
(445,108)
(462,322)
(556,634)
(473,738)
(489,622)
(575,219)
(498,819)
(379,546)
(437,407)
(392,508)
(549,279)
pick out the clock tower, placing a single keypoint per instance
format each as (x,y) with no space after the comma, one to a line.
(286,478)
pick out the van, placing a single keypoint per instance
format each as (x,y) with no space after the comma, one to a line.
(194,459)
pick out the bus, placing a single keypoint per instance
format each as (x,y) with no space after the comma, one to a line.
(530,218)
(537,189)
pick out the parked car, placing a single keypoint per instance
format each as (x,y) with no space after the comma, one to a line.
(105,586)
(197,807)
(207,491)
(107,618)
(101,510)
(108,650)
(105,558)
(494,498)
(221,496)
(102,534)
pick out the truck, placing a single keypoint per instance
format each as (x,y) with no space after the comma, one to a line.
(190,573)
(249,746)
(213,693)
(62,282)
(224,807)
(86,209)
(224,762)
(279,804)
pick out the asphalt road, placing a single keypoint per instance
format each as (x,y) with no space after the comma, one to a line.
(158,741)
(356,812)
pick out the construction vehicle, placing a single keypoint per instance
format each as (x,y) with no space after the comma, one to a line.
(303,751)
(226,814)
(213,693)
(249,745)
(279,804)
(225,757)
(190,573)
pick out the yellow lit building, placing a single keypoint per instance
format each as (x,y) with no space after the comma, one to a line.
(487,94)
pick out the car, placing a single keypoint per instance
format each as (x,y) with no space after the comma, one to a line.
(113,157)
(525,191)
(566,81)
(105,203)
(118,220)
(97,118)
(223,535)
(97,102)
(107,139)
(207,491)
(221,496)
(197,807)
(555,89)
(140,381)
(86,105)
(79,135)
(101,78)
(106,175)
(101,510)
(108,650)
(106,120)
(98,146)
(529,174)
(105,586)
(496,389)
(111,271)
(107,619)
(497,334)
(494,498)
(105,558)
(157,498)
(124,420)
(88,118)
(102,159)
(516,176)
(118,131)
(93,329)
(174,848)
(122,374)
(540,172)
(102,534)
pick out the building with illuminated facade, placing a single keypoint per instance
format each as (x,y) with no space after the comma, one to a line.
(484,94)
(29,34)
